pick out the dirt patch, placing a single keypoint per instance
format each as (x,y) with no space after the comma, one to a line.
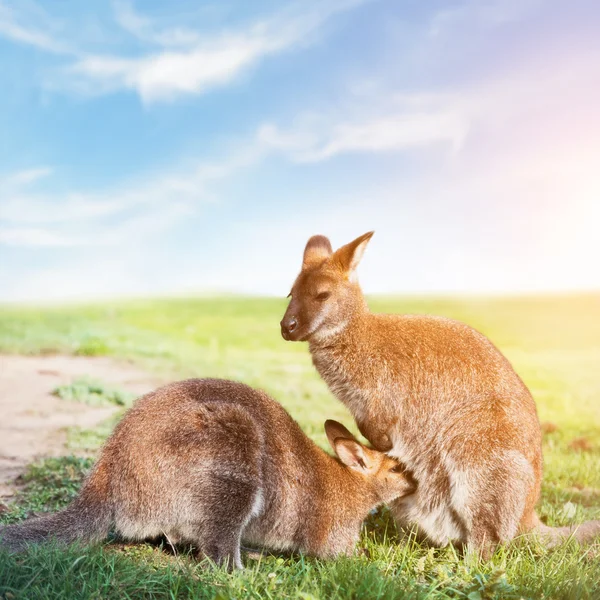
(33,422)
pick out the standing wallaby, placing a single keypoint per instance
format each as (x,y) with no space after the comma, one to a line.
(435,394)
(215,463)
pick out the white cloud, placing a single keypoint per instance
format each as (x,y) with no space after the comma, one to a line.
(205,63)
(146,30)
(479,15)
(391,132)
(116,214)
(167,75)
(40,36)
(25,177)
(33,236)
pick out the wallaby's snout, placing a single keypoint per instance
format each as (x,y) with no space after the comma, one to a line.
(289,324)
(297,322)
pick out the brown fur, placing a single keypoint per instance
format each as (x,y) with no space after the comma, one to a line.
(434,393)
(214,463)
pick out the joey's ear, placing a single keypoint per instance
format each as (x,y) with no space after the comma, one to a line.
(335,431)
(348,256)
(318,248)
(352,454)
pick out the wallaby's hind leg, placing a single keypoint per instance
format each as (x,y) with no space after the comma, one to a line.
(483,539)
(225,513)
(498,503)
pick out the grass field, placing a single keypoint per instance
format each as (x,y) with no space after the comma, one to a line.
(554,343)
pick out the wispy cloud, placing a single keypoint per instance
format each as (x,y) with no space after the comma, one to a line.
(392,132)
(146,29)
(23,178)
(34,236)
(478,15)
(179,61)
(30,217)
(31,29)
(166,75)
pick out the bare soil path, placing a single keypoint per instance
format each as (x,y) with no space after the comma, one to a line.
(33,422)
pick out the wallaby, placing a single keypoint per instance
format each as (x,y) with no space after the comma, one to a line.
(434,393)
(215,463)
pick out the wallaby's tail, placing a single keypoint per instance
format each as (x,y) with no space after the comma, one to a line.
(80,521)
(552,536)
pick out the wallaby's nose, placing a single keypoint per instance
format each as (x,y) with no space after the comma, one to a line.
(288,326)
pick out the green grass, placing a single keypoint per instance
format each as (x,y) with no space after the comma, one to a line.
(554,343)
(94,393)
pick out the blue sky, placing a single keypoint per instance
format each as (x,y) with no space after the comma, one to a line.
(154,148)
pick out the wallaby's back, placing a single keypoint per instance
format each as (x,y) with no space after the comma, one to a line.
(247,436)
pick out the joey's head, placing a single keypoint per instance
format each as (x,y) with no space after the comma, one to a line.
(326,294)
(387,478)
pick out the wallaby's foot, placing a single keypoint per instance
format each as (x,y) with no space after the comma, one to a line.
(223,556)
(474,556)
(480,551)
(483,540)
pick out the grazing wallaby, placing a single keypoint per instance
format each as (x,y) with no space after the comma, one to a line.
(215,463)
(435,394)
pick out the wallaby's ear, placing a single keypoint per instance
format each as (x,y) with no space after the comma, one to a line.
(335,431)
(352,454)
(318,248)
(348,256)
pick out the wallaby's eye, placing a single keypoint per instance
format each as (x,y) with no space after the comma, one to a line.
(323,296)
(397,469)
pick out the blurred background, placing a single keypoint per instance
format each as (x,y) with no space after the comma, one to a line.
(179,148)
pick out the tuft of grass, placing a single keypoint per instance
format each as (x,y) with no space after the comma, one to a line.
(93,393)
(48,485)
(84,440)
(91,345)
(553,342)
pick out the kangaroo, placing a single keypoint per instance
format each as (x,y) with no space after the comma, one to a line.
(216,463)
(434,393)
